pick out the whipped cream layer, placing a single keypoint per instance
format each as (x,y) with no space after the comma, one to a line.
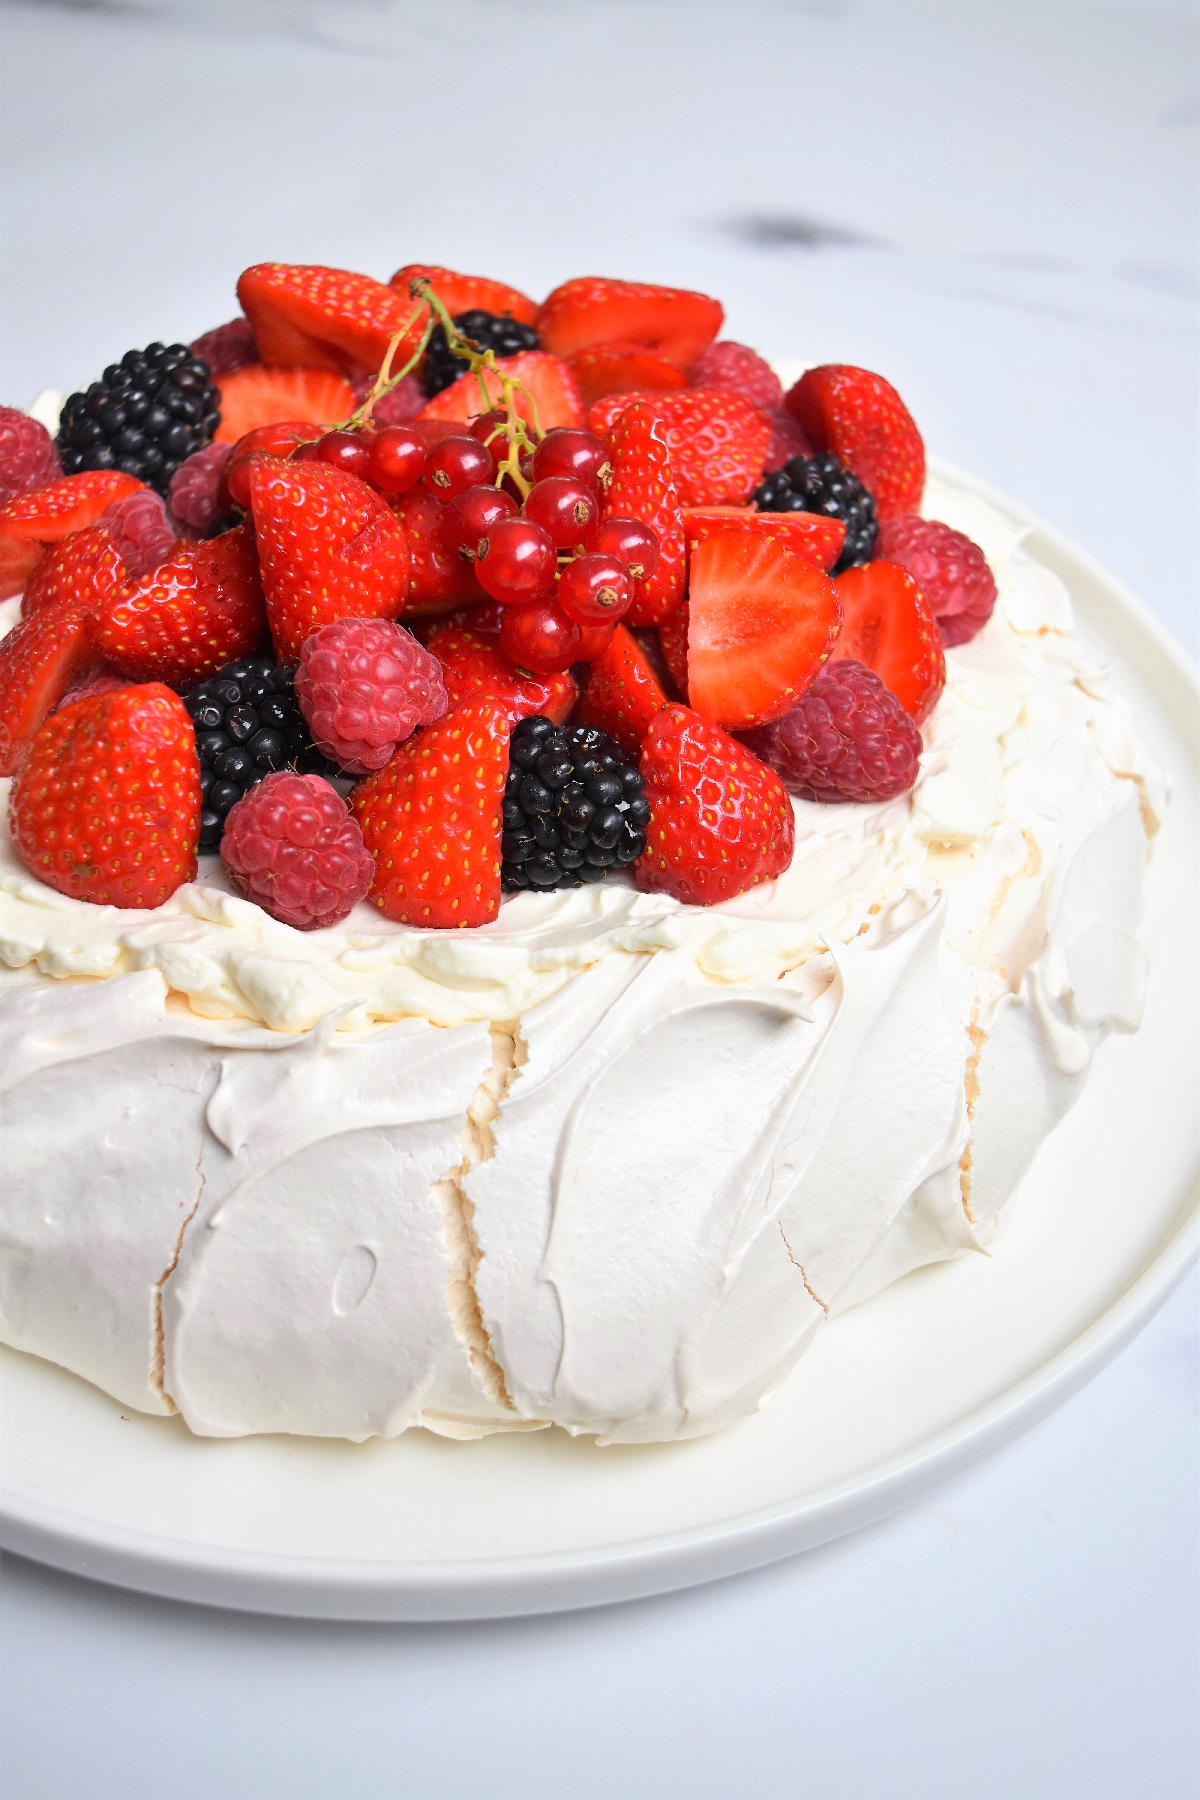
(608,1162)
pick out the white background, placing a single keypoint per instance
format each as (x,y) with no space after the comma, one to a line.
(994,204)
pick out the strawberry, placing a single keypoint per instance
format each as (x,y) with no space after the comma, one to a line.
(673,642)
(278,439)
(106,806)
(888,626)
(326,318)
(810,536)
(475,668)
(186,619)
(622,695)
(329,547)
(438,576)
(548,382)
(82,569)
(620,368)
(431,819)
(761,622)
(465,293)
(673,322)
(862,419)
(48,514)
(41,659)
(717,439)
(643,487)
(254,397)
(720,820)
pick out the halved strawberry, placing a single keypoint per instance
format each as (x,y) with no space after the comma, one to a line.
(259,396)
(761,622)
(548,382)
(474,667)
(41,658)
(48,514)
(438,577)
(673,322)
(673,642)
(643,487)
(887,625)
(622,696)
(620,369)
(465,293)
(810,536)
(277,439)
(862,419)
(329,547)
(81,571)
(196,612)
(305,313)
(717,439)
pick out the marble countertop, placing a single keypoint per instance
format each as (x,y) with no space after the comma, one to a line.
(993,202)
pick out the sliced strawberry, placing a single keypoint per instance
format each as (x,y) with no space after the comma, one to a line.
(620,369)
(810,536)
(186,619)
(548,382)
(474,668)
(761,623)
(887,625)
(81,571)
(466,293)
(862,419)
(717,438)
(41,658)
(328,546)
(258,396)
(431,819)
(673,322)
(673,642)
(304,313)
(643,487)
(720,820)
(278,439)
(48,514)
(622,695)
(438,577)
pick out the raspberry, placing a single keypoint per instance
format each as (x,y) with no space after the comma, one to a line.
(399,407)
(104,681)
(848,738)
(227,347)
(28,458)
(729,365)
(787,440)
(951,572)
(139,527)
(292,847)
(365,685)
(194,493)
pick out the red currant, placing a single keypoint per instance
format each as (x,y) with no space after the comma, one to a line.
(564,507)
(471,515)
(631,542)
(595,588)
(397,459)
(593,641)
(455,464)
(486,425)
(348,450)
(539,637)
(307,452)
(567,451)
(515,562)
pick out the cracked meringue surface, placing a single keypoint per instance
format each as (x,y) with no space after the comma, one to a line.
(609,1162)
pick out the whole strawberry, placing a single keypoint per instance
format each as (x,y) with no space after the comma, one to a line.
(951,572)
(291,846)
(862,420)
(847,738)
(643,487)
(364,685)
(721,820)
(106,805)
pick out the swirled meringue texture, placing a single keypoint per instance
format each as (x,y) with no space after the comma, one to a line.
(608,1162)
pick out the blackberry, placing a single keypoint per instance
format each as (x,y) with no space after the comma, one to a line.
(574,808)
(491,331)
(819,484)
(148,414)
(247,721)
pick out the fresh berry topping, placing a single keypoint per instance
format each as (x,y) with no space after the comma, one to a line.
(438,576)
(365,685)
(540,637)
(621,369)
(673,322)
(456,463)
(887,625)
(106,805)
(103,681)
(729,365)
(760,624)
(472,514)
(819,484)
(623,695)
(201,608)
(282,440)
(431,820)
(146,415)
(259,396)
(196,497)
(594,589)
(28,458)
(329,547)
(814,539)
(862,419)
(578,453)
(643,487)
(474,667)
(141,531)
(46,515)
(491,331)
(41,659)
(348,450)
(247,722)
(467,293)
(951,572)
(565,508)
(673,643)
(574,807)
(397,459)
(399,406)
(848,738)
(721,819)
(631,541)
(515,562)
(787,440)
(81,570)
(548,384)
(291,846)
(227,347)
(717,440)
(307,314)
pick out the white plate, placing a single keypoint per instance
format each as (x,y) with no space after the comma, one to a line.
(891,1399)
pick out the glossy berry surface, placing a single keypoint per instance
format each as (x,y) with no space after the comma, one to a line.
(146,415)
(349,450)
(594,589)
(455,464)
(472,514)
(574,807)
(631,541)
(28,458)
(247,722)
(364,685)
(819,484)
(516,561)
(564,507)
(567,451)
(539,637)
(397,459)
(293,848)
(950,570)
(847,738)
